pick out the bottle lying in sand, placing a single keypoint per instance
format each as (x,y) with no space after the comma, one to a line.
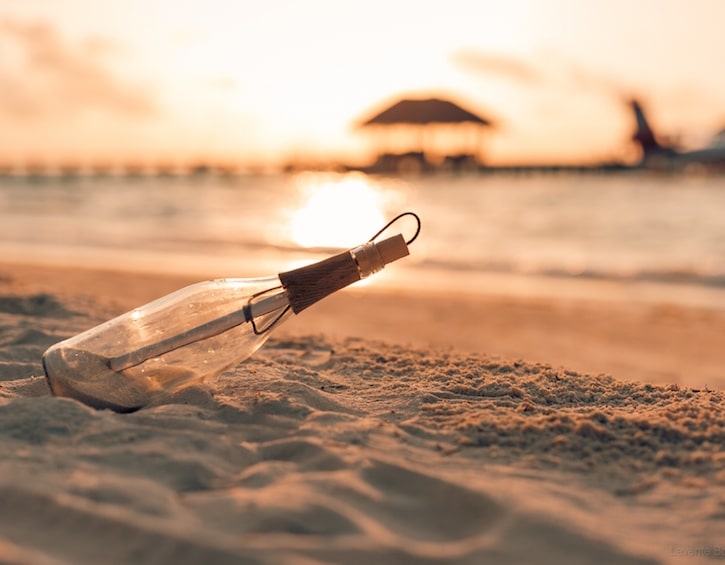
(198,331)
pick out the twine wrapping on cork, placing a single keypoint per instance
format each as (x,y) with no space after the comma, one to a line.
(312,283)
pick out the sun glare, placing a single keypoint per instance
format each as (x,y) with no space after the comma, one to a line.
(336,212)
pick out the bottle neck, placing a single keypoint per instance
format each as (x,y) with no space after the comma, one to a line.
(312,283)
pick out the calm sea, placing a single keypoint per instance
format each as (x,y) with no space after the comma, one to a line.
(635,236)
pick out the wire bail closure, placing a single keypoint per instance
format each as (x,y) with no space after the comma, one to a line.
(395,219)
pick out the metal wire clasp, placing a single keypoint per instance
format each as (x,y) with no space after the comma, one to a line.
(395,219)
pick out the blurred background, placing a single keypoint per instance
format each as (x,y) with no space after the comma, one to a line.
(553,148)
(178,83)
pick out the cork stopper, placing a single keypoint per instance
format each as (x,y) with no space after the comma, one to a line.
(392,249)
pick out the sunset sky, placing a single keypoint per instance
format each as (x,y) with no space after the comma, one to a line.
(269,81)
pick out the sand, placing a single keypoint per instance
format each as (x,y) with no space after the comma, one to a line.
(376,427)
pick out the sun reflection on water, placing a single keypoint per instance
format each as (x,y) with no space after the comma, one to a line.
(337,211)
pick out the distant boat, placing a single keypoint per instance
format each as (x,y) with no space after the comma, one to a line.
(660,156)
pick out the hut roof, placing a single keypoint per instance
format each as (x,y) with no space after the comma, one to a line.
(427,111)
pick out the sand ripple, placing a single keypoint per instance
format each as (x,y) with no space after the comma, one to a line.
(319,451)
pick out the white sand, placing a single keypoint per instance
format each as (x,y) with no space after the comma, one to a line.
(324,448)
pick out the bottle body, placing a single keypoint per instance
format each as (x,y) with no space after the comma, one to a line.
(174,342)
(198,331)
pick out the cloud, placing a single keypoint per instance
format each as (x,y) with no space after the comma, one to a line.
(592,80)
(482,62)
(49,77)
(547,70)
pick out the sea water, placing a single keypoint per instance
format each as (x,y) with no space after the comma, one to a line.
(632,235)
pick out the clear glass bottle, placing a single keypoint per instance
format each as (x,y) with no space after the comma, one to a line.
(198,331)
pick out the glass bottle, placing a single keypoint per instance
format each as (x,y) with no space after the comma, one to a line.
(198,331)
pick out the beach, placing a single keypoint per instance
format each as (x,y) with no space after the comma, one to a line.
(379,426)
(410,283)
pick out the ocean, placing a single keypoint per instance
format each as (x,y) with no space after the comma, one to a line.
(631,236)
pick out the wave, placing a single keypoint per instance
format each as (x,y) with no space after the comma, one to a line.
(667,275)
(219,244)
(675,276)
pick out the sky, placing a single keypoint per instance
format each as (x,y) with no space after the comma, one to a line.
(266,82)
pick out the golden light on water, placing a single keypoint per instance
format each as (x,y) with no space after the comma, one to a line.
(342,211)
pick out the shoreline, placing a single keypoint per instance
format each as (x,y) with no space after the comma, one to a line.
(650,341)
(399,277)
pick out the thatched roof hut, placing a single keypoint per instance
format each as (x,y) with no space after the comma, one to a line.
(424,112)
(433,132)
